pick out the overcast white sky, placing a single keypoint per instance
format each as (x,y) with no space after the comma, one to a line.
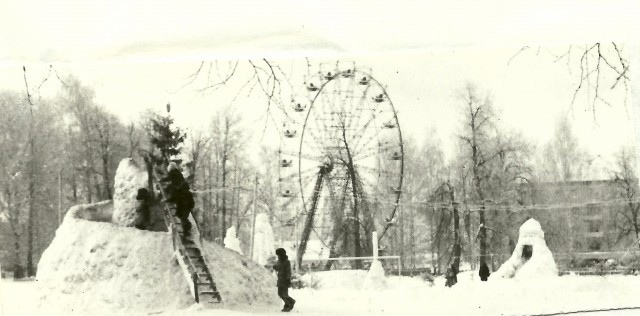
(135,56)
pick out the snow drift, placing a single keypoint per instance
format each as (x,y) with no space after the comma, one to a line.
(101,268)
(531,256)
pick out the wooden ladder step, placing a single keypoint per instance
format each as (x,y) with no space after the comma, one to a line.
(205,284)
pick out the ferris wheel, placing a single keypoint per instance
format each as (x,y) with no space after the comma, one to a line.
(341,158)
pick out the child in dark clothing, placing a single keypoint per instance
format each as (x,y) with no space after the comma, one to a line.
(451,276)
(143,204)
(283,268)
(484,272)
(179,193)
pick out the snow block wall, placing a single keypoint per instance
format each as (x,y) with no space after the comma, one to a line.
(264,242)
(97,268)
(541,262)
(98,212)
(231,241)
(129,177)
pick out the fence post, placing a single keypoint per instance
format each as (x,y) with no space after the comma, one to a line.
(374,239)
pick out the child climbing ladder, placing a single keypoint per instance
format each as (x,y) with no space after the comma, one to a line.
(178,192)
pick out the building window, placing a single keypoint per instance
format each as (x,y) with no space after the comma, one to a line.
(593,226)
(595,244)
(594,210)
(577,246)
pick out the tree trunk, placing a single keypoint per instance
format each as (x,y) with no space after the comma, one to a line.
(97,187)
(224,197)
(14,221)
(457,248)
(32,210)
(74,187)
(482,235)
(87,180)
(467,228)
(335,236)
(106,177)
(412,241)
(216,214)
(354,185)
(237,201)
(401,215)
(18,273)
(205,199)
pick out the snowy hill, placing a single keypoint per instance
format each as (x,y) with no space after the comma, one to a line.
(104,268)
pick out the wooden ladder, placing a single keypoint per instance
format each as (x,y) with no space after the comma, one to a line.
(188,251)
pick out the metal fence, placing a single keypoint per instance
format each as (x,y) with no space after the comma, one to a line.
(389,263)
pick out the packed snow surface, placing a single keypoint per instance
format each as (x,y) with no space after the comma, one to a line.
(231,241)
(263,245)
(341,293)
(101,268)
(130,177)
(541,263)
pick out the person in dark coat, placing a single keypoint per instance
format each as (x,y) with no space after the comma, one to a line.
(178,192)
(484,272)
(451,276)
(143,211)
(283,268)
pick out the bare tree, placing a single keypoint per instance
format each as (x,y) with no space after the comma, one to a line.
(263,78)
(482,152)
(197,146)
(563,158)
(626,219)
(602,67)
(12,154)
(478,131)
(228,141)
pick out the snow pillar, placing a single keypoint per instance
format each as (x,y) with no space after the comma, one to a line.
(375,279)
(128,179)
(231,241)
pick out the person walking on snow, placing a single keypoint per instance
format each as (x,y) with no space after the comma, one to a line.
(451,276)
(180,194)
(283,268)
(484,272)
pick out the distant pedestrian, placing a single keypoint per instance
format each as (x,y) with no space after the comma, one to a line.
(451,276)
(283,268)
(143,212)
(178,192)
(484,272)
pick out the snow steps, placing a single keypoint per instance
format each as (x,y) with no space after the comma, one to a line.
(192,261)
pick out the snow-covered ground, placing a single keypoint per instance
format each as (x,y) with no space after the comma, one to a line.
(340,293)
(97,267)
